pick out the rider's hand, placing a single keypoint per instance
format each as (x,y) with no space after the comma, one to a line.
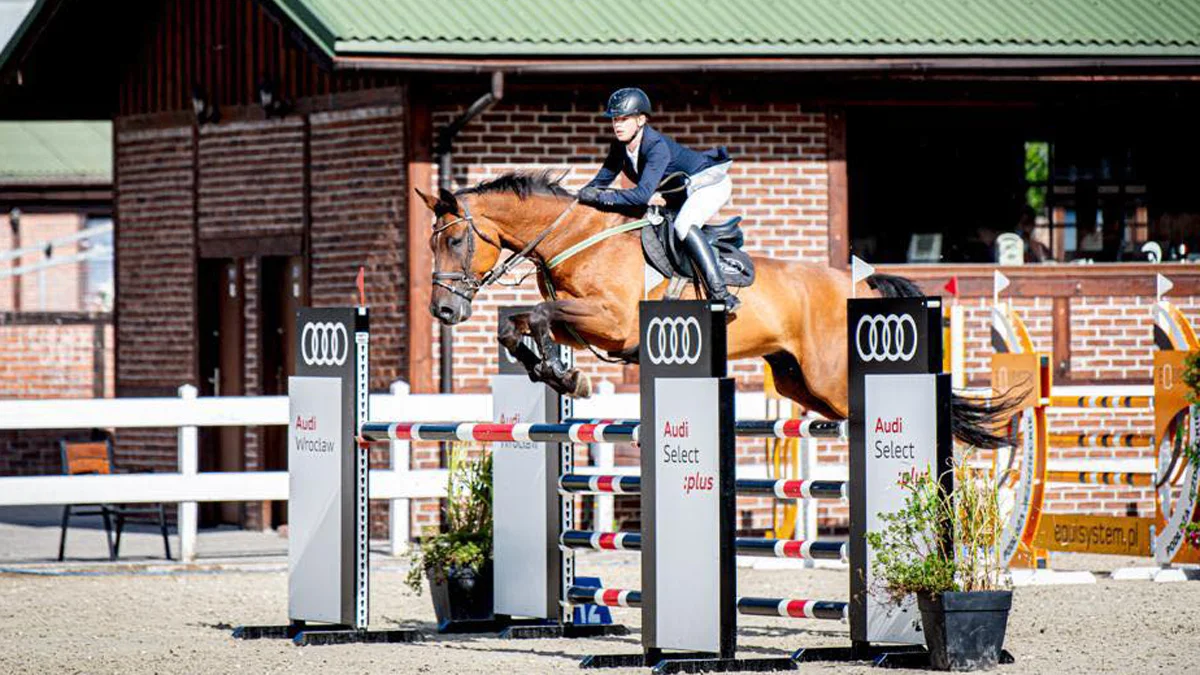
(657,199)
(589,195)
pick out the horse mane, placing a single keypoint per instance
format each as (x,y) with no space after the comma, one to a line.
(523,184)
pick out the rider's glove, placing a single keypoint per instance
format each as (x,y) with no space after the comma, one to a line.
(592,195)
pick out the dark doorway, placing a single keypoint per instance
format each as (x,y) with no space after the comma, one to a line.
(220,300)
(281,289)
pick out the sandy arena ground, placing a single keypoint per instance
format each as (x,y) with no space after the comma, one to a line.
(149,616)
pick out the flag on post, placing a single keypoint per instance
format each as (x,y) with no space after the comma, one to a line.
(859,270)
(999,283)
(1162,285)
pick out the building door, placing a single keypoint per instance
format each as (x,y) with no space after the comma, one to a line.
(220,299)
(282,291)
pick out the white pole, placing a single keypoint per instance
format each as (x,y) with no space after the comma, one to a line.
(605,460)
(189,465)
(400,525)
(806,517)
(958,348)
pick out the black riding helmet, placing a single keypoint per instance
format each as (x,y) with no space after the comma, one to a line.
(627,101)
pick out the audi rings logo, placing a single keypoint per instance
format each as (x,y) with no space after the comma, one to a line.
(886,337)
(324,344)
(673,341)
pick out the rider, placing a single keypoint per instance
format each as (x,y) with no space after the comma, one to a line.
(646,156)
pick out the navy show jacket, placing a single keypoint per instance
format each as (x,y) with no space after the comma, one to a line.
(658,156)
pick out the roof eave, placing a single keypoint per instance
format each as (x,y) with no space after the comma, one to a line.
(1188,65)
(746,50)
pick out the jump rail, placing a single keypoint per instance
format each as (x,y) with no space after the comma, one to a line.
(778,488)
(748,546)
(620,431)
(784,607)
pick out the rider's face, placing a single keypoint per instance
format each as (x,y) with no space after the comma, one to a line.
(627,126)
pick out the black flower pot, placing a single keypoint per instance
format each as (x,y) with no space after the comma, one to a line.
(965,631)
(461,596)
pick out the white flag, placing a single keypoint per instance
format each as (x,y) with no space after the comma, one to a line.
(1162,285)
(859,270)
(999,283)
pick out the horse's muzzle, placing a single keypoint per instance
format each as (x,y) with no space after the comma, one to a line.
(450,314)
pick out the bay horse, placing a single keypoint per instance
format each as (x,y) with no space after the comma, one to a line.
(793,315)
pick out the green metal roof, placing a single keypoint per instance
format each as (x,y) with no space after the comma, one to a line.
(56,152)
(745,28)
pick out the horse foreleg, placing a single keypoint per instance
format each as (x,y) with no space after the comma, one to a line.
(512,337)
(575,321)
(568,381)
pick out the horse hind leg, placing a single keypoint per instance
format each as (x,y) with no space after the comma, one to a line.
(789,381)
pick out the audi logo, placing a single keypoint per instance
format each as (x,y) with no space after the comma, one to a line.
(324,344)
(673,341)
(886,338)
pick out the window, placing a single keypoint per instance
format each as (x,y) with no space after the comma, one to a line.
(98,287)
(1076,184)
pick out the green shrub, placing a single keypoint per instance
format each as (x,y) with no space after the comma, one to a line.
(465,538)
(940,540)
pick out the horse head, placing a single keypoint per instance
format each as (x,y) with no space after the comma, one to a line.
(465,248)
(472,226)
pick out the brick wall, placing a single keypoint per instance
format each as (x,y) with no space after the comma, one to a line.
(359,207)
(48,360)
(42,358)
(155,275)
(251,179)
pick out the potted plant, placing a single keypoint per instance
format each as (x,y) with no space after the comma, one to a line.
(943,547)
(457,558)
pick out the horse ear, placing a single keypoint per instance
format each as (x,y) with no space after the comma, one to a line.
(430,200)
(449,201)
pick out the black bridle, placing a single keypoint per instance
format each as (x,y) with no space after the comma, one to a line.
(464,283)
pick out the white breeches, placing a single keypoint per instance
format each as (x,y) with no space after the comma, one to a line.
(708,191)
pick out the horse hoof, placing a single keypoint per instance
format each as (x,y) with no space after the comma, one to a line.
(583,385)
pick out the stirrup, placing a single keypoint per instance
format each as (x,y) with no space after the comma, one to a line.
(732,304)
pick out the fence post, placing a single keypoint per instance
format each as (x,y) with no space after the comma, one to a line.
(189,465)
(605,461)
(958,347)
(400,461)
(806,515)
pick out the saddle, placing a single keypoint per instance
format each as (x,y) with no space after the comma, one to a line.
(660,247)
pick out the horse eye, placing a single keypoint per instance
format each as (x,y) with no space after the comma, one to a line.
(455,241)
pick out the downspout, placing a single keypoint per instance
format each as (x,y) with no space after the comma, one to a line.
(14,222)
(444,149)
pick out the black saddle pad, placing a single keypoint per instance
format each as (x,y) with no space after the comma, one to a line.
(662,253)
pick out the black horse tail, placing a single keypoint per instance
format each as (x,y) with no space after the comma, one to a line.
(976,421)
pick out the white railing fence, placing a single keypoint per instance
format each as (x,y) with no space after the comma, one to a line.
(188,486)
(399,483)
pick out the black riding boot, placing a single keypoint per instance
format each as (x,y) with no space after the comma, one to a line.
(709,270)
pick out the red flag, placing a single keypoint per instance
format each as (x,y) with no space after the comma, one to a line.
(361,283)
(951,286)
